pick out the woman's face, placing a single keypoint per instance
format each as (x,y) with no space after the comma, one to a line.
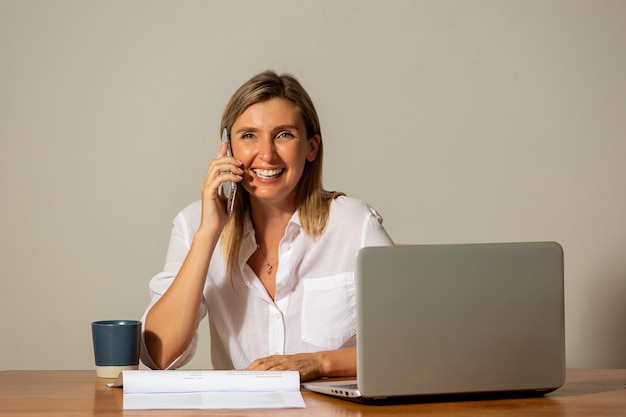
(270,139)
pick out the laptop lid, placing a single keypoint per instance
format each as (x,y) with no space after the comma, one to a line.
(458,319)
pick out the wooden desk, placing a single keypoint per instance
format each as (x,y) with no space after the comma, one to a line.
(589,392)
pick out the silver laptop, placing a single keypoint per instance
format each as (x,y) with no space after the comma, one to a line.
(457,319)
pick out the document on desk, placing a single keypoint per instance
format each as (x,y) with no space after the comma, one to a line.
(168,390)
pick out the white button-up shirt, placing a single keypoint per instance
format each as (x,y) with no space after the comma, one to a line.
(314,307)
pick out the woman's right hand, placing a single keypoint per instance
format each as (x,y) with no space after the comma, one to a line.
(223,168)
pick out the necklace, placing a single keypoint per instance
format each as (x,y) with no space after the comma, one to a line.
(269,266)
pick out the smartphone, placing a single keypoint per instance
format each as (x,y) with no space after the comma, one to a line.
(229,188)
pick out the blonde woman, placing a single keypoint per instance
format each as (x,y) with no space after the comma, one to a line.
(276,276)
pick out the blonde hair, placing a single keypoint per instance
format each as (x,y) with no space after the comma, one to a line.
(313,202)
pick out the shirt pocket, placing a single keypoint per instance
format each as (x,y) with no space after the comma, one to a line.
(329,310)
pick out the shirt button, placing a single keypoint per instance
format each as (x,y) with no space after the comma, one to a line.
(277,316)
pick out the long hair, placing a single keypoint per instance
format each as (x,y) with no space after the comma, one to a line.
(313,202)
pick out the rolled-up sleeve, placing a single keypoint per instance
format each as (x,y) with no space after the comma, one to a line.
(373,232)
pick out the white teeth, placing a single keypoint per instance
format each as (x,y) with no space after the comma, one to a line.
(268,173)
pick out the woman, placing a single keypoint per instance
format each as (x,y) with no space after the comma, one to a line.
(276,276)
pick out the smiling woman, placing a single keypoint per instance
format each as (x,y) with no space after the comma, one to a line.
(288,244)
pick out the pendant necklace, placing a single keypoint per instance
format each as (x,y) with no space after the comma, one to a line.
(269,266)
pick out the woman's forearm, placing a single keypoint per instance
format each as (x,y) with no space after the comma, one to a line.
(171,323)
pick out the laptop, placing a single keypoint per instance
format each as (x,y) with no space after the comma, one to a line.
(438,320)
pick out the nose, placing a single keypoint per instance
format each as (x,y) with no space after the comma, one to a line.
(267,149)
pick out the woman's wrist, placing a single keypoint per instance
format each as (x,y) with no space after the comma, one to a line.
(341,362)
(208,233)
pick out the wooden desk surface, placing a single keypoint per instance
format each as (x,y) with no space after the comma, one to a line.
(587,392)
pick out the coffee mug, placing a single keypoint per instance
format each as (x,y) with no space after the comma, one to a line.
(115,346)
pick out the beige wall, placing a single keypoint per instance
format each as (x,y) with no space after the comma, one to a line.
(460,121)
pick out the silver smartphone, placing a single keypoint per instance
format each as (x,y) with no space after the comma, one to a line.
(229,188)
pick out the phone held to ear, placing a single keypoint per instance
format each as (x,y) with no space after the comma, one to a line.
(229,188)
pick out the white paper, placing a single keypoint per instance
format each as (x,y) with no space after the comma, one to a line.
(162,390)
(213,400)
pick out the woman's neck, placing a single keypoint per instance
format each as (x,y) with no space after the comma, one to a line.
(270,221)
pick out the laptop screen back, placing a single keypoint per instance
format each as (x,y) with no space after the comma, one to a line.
(466,318)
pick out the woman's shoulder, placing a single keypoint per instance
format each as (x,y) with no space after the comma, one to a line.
(354,217)
(190,214)
(351,206)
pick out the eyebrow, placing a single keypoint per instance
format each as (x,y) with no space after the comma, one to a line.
(275,129)
(286,127)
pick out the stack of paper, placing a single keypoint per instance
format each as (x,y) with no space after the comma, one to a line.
(160,390)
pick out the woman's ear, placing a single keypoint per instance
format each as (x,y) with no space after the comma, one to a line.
(314,146)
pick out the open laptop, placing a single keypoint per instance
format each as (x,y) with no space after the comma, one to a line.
(457,319)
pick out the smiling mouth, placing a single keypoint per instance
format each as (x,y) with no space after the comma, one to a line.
(267,174)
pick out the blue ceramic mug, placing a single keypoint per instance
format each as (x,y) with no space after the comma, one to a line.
(115,346)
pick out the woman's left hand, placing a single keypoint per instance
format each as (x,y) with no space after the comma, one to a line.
(315,365)
(308,364)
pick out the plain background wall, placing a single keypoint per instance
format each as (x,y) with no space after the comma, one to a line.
(460,121)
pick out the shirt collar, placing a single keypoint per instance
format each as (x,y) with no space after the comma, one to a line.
(248,228)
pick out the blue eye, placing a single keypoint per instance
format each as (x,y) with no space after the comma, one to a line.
(285,135)
(247,136)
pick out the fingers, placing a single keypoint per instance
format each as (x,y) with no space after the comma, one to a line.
(222,172)
(223,168)
(307,364)
(224,163)
(270,363)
